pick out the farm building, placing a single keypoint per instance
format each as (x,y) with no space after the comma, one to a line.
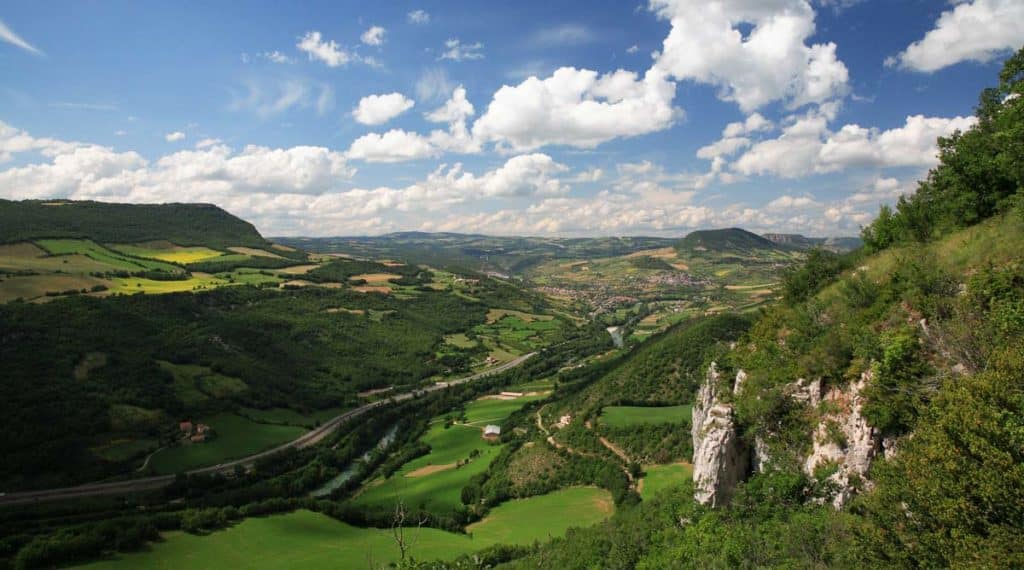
(492,432)
(196,432)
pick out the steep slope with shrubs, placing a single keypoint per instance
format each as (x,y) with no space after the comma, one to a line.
(890,384)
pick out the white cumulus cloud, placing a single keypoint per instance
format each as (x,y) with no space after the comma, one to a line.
(773,62)
(577,107)
(373,36)
(175,136)
(329,52)
(379,109)
(396,145)
(807,146)
(979,30)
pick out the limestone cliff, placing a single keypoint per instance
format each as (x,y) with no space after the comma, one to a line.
(844,441)
(720,458)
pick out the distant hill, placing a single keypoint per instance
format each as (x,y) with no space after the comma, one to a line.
(183,224)
(837,244)
(477,252)
(730,240)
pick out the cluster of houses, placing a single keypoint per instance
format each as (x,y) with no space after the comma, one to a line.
(195,432)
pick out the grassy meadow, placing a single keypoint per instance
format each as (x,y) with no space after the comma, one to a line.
(309,540)
(102,254)
(236,437)
(435,481)
(166,251)
(658,477)
(626,416)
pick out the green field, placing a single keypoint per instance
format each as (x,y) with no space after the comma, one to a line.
(236,437)
(133,285)
(287,416)
(309,540)
(248,277)
(460,340)
(433,481)
(658,477)
(99,253)
(169,252)
(194,383)
(626,416)
(122,450)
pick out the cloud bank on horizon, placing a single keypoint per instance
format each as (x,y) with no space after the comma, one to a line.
(782,115)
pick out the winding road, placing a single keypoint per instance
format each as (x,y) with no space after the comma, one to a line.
(307,439)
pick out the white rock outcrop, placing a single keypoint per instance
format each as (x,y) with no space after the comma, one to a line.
(857,446)
(720,458)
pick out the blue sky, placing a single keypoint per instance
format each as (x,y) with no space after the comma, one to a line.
(560,118)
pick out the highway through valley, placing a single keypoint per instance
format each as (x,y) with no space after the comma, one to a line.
(307,439)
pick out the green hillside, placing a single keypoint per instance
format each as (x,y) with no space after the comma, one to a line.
(513,255)
(730,240)
(931,319)
(182,224)
(797,241)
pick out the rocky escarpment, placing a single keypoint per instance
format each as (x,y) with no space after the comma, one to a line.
(720,457)
(844,443)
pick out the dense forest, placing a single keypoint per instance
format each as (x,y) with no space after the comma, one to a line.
(182,224)
(71,374)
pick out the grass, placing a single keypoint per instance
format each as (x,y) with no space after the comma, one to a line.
(523,521)
(512,332)
(287,416)
(31,287)
(305,539)
(495,315)
(194,383)
(99,253)
(67,264)
(483,412)
(659,477)
(121,450)
(236,437)
(248,277)
(125,417)
(25,256)
(460,340)
(134,285)
(626,416)
(166,251)
(442,490)
(253,252)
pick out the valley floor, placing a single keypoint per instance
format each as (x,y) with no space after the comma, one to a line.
(305,539)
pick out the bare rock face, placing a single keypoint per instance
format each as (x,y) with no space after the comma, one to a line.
(806,392)
(720,458)
(761,457)
(844,438)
